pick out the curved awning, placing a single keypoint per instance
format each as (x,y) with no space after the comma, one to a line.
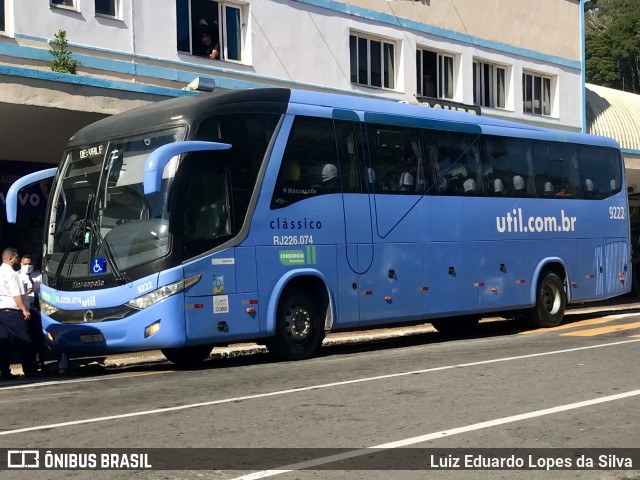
(615,114)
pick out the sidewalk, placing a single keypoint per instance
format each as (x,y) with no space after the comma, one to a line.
(337,338)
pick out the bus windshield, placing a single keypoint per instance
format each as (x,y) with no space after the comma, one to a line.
(99,210)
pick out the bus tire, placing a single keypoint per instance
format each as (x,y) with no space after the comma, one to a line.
(456,325)
(188,356)
(551,302)
(299,327)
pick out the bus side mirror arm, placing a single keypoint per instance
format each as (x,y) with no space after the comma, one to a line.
(11,201)
(159,158)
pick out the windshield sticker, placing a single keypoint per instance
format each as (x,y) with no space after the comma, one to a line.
(298,257)
(221,304)
(218,284)
(97,266)
(515,222)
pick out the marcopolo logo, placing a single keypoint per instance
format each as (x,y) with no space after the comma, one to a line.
(298,257)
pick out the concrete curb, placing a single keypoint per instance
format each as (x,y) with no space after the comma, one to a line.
(333,339)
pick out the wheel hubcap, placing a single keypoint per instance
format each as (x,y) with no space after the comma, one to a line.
(552,300)
(297,323)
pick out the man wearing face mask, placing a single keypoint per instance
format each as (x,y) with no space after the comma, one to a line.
(14,315)
(31,280)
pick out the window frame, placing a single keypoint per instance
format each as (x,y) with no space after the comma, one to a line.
(222,7)
(73,6)
(117,4)
(544,81)
(387,61)
(442,82)
(489,95)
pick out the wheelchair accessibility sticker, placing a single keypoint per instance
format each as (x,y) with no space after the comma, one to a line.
(97,266)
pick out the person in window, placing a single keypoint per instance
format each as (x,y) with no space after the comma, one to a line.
(548,189)
(406,182)
(498,187)
(518,186)
(211,46)
(325,177)
(469,186)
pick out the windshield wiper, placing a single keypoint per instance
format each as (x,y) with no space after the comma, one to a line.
(78,226)
(81,226)
(119,275)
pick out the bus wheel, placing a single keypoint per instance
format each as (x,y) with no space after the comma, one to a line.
(188,356)
(299,327)
(456,325)
(550,302)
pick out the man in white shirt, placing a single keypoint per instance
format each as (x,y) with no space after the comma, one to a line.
(14,315)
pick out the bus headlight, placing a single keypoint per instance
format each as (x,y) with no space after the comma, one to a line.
(47,308)
(161,293)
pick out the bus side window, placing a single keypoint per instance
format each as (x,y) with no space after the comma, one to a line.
(206,211)
(397,160)
(600,171)
(556,169)
(454,159)
(309,164)
(507,164)
(203,216)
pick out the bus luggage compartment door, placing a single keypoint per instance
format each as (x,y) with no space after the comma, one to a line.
(450,272)
(501,279)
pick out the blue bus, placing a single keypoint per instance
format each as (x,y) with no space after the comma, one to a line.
(277,215)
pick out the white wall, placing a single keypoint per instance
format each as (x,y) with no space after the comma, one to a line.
(291,44)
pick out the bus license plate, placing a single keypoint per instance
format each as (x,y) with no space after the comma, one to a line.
(95,338)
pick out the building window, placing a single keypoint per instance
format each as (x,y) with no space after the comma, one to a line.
(108,8)
(212,29)
(435,74)
(63,3)
(372,62)
(489,85)
(2,27)
(536,94)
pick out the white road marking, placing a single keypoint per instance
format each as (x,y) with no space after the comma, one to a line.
(82,380)
(304,389)
(434,436)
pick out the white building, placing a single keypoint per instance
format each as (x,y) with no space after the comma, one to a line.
(504,58)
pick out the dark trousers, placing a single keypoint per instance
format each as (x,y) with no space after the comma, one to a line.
(14,335)
(34,326)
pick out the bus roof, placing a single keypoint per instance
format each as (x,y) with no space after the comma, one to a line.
(196,107)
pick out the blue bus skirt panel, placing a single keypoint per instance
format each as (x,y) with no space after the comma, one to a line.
(282,284)
(279,266)
(125,335)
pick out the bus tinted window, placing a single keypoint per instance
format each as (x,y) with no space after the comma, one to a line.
(556,169)
(455,162)
(508,167)
(397,160)
(349,141)
(600,172)
(249,135)
(310,163)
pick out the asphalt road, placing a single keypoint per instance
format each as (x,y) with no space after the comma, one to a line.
(576,386)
